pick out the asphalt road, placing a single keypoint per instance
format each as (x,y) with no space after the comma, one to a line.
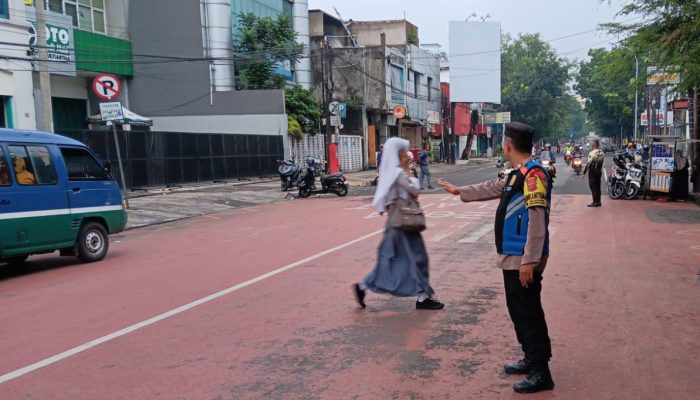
(255,303)
(566,182)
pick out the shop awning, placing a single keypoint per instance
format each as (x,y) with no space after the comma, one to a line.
(130,118)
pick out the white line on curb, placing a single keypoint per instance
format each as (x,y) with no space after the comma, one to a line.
(104,339)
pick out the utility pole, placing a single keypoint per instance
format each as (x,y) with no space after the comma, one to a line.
(636,97)
(365,124)
(326,101)
(45,110)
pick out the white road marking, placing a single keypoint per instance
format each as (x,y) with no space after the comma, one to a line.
(552,231)
(477,234)
(605,175)
(129,329)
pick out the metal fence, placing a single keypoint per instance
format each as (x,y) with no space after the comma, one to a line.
(171,158)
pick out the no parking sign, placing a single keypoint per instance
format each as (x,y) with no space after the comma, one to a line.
(106,86)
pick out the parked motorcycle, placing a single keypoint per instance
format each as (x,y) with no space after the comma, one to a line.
(617,178)
(334,183)
(627,177)
(289,172)
(577,165)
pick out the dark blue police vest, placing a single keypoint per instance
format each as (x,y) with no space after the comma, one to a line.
(512,217)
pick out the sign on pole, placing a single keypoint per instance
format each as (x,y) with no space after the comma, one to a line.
(106,86)
(503,117)
(112,111)
(342,110)
(335,120)
(658,76)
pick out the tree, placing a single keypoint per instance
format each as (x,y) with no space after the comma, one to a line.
(534,82)
(669,30)
(303,110)
(606,82)
(264,43)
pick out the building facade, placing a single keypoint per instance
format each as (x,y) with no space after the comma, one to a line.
(84,38)
(355,64)
(16,86)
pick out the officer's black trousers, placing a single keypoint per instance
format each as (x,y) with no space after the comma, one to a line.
(525,309)
(594,183)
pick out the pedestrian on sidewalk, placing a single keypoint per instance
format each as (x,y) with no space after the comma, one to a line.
(594,168)
(402,267)
(679,178)
(380,153)
(522,242)
(424,159)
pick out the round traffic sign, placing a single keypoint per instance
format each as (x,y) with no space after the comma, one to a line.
(106,86)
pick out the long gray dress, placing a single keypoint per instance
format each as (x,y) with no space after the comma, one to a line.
(402,267)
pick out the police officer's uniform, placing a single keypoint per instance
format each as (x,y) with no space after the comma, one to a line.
(522,238)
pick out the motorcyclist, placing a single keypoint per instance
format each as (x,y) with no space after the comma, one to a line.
(547,154)
(577,152)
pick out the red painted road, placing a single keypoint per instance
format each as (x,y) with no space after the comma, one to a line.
(620,294)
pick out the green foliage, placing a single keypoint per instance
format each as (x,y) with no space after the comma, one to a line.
(669,33)
(353,100)
(412,38)
(534,80)
(294,129)
(303,109)
(604,81)
(263,43)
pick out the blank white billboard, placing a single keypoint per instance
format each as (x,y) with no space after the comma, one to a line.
(475,62)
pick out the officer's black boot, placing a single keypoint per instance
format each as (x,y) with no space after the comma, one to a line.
(537,380)
(517,368)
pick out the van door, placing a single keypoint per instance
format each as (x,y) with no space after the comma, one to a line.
(35,216)
(6,234)
(91,189)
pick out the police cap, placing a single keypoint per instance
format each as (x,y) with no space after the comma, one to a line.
(520,131)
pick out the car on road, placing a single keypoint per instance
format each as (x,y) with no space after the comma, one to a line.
(55,194)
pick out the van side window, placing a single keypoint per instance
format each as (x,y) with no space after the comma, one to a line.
(4,171)
(33,165)
(82,166)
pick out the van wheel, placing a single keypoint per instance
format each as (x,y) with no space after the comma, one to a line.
(17,261)
(93,242)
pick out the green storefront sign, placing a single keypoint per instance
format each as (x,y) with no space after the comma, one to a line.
(100,53)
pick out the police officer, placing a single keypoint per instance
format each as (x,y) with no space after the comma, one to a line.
(522,242)
(594,169)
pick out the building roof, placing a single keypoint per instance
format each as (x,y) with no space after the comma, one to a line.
(17,135)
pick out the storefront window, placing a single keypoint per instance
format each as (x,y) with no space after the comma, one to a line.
(56,6)
(88,15)
(4,9)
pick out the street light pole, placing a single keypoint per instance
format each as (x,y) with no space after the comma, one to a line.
(636,97)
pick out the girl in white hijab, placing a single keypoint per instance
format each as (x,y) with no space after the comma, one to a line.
(402,262)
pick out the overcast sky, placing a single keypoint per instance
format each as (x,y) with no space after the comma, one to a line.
(552,18)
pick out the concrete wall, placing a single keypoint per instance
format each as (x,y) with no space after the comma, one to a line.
(348,66)
(243,124)
(368,33)
(16,76)
(173,28)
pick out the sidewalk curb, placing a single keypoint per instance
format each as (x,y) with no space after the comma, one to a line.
(134,194)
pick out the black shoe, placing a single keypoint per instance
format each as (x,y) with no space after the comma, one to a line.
(517,368)
(593,205)
(599,205)
(429,304)
(537,380)
(359,295)
(430,187)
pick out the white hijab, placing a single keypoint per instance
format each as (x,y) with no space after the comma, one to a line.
(389,171)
